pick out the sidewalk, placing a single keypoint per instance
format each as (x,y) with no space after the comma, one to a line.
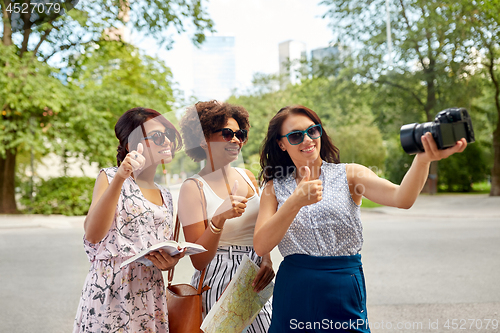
(429,264)
(40,221)
(448,205)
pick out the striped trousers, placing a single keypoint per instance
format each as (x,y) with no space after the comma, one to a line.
(219,273)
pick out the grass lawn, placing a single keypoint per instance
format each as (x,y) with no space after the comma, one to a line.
(477,188)
(369,204)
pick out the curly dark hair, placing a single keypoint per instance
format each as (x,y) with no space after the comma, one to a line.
(125,130)
(276,163)
(212,116)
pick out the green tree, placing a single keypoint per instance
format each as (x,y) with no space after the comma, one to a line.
(432,51)
(483,18)
(341,103)
(107,79)
(38,110)
(458,173)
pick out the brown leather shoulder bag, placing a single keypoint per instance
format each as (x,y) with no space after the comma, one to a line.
(184,302)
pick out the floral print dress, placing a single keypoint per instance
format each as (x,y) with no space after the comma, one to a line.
(130,299)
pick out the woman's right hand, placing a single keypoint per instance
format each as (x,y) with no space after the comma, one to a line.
(233,206)
(308,192)
(163,260)
(133,161)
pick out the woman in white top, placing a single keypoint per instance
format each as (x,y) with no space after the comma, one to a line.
(232,202)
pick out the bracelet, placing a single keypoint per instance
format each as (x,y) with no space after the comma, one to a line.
(214,229)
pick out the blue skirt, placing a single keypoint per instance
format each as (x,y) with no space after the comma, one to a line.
(319,294)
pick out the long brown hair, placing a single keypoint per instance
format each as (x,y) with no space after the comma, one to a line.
(125,130)
(276,163)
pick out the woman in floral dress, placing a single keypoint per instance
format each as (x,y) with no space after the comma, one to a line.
(129,212)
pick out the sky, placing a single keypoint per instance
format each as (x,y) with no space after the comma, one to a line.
(258,27)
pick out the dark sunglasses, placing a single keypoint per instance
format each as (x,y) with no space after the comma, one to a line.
(159,137)
(296,137)
(228,134)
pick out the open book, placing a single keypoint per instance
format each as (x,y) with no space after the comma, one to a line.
(170,246)
(239,305)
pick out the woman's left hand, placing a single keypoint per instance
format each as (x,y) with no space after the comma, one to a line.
(163,260)
(432,153)
(265,274)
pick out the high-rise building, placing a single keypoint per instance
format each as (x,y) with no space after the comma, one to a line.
(330,52)
(330,55)
(214,68)
(291,53)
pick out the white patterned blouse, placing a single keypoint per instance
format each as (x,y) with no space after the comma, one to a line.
(330,227)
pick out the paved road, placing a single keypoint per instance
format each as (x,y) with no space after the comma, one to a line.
(439,260)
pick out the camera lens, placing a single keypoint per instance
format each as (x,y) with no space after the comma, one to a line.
(411,134)
(448,127)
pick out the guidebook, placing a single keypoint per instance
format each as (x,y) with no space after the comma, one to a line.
(170,246)
(239,305)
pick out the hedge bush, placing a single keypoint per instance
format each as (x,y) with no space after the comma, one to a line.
(61,195)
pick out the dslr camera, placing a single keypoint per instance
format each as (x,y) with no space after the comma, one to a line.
(448,127)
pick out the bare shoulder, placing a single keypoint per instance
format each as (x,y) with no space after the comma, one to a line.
(189,188)
(250,175)
(102,178)
(252,178)
(268,189)
(101,184)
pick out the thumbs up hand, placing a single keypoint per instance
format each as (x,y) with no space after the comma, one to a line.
(134,161)
(233,206)
(308,191)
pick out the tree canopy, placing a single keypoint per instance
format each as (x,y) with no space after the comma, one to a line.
(61,79)
(442,53)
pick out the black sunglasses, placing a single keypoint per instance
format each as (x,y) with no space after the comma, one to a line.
(159,137)
(228,134)
(296,137)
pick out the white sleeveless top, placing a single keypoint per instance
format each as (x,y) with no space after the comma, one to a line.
(238,230)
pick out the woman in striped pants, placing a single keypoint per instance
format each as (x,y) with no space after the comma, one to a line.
(230,202)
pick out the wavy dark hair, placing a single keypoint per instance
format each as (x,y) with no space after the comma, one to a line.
(276,163)
(212,116)
(126,130)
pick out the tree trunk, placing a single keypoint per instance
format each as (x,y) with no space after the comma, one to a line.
(430,105)
(7,183)
(495,172)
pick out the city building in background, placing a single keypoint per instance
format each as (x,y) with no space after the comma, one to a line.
(214,68)
(329,52)
(329,55)
(291,53)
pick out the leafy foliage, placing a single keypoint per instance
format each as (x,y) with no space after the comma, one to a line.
(341,104)
(439,51)
(32,99)
(49,109)
(460,171)
(108,79)
(61,195)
